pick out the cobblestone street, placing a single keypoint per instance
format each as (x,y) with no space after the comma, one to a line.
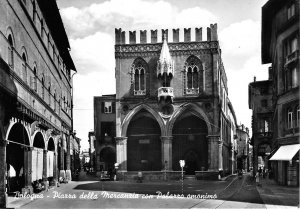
(231,193)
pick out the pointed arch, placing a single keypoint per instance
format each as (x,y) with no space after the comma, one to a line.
(39,140)
(50,144)
(24,64)
(195,109)
(10,36)
(11,46)
(137,109)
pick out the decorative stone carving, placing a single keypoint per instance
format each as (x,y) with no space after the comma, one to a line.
(175,49)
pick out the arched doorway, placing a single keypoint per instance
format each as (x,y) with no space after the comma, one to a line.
(50,159)
(108,157)
(37,157)
(15,157)
(190,143)
(143,143)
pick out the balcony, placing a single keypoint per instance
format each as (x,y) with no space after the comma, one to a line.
(192,91)
(291,58)
(165,92)
(139,92)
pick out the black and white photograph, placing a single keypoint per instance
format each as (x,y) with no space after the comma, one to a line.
(149,104)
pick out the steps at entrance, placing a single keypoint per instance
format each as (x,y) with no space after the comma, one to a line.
(190,177)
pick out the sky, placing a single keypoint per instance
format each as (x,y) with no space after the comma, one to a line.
(90,26)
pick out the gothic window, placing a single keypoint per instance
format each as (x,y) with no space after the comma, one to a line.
(34,11)
(42,28)
(138,73)
(24,68)
(193,76)
(34,79)
(49,93)
(43,88)
(54,101)
(10,51)
(289,118)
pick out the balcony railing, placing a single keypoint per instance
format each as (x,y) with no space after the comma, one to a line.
(192,91)
(165,92)
(139,92)
(292,57)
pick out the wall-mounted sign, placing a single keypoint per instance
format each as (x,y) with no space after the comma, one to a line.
(144,141)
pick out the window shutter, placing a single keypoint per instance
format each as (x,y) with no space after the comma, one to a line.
(102,107)
(113,107)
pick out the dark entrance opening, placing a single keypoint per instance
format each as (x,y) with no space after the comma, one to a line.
(15,158)
(144,143)
(108,156)
(190,162)
(190,143)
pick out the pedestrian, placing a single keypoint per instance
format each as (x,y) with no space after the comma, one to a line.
(140,177)
(260,171)
(257,178)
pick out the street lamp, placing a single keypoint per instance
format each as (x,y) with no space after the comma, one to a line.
(182,164)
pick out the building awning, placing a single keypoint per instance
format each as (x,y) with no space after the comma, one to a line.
(286,153)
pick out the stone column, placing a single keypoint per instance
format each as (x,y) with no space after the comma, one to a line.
(232,158)
(62,159)
(28,170)
(45,178)
(122,153)
(213,152)
(68,160)
(255,158)
(166,151)
(220,163)
(3,196)
(55,169)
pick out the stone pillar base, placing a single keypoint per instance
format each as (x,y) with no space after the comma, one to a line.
(27,190)
(53,182)
(62,174)
(98,173)
(46,183)
(68,175)
(3,200)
